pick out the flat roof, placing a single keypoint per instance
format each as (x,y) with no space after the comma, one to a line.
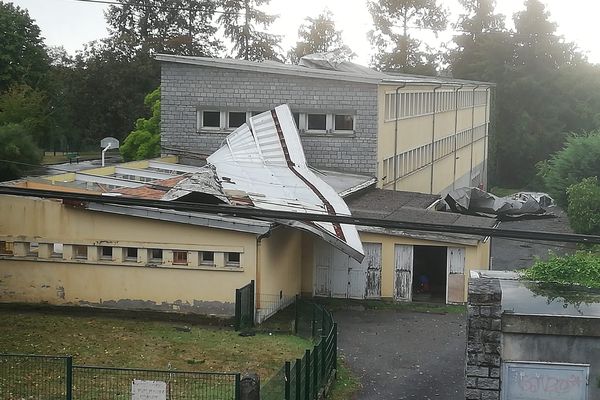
(352,72)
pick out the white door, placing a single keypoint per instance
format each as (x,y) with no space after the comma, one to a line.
(372,266)
(356,279)
(455,269)
(403,272)
(322,268)
(340,272)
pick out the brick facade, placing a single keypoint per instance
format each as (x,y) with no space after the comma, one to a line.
(188,88)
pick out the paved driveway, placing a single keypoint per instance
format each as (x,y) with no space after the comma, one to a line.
(404,355)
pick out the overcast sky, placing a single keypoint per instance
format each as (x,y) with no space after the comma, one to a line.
(71,23)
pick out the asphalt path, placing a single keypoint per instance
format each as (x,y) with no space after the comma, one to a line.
(404,355)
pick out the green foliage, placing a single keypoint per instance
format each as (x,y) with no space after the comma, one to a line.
(240,19)
(183,27)
(144,141)
(579,159)
(16,145)
(584,206)
(23,56)
(396,50)
(582,268)
(27,107)
(318,35)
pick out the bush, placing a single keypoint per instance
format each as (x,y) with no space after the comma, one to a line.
(582,268)
(144,141)
(17,150)
(579,159)
(584,206)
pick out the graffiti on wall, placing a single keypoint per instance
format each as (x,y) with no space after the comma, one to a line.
(544,381)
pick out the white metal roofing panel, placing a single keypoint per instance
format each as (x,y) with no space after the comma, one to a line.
(266,162)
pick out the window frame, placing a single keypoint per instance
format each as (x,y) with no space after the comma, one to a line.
(102,256)
(200,120)
(155,259)
(203,261)
(127,257)
(177,261)
(228,117)
(309,130)
(334,127)
(229,263)
(76,254)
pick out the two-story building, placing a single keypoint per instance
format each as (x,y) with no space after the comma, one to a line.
(413,133)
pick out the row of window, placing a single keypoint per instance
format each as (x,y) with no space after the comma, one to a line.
(412,104)
(213,120)
(128,254)
(412,160)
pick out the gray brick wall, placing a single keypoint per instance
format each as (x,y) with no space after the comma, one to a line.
(187,88)
(482,374)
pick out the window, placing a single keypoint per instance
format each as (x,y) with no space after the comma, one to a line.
(317,122)
(180,257)
(131,253)
(236,119)
(106,253)
(232,259)
(343,122)
(296,119)
(207,258)
(155,254)
(33,249)
(211,119)
(57,250)
(80,251)
(6,248)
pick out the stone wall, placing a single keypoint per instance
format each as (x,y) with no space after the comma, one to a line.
(483,340)
(187,89)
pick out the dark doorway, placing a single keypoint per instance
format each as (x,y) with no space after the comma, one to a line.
(429,274)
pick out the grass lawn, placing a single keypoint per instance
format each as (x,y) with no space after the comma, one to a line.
(503,192)
(135,343)
(49,157)
(346,384)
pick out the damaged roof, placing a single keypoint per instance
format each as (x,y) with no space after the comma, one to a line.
(343,71)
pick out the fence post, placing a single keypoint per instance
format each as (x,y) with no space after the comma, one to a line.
(307,375)
(288,391)
(323,356)
(252,302)
(312,321)
(238,387)
(322,321)
(296,311)
(69,378)
(335,347)
(315,370)
(298,378)
(238,308)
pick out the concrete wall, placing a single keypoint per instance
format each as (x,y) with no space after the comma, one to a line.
(186,89)
(117,282)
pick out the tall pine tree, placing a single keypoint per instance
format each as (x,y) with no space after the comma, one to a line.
(397,50)
(241,20)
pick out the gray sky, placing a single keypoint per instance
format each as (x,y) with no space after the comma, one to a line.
(71,23)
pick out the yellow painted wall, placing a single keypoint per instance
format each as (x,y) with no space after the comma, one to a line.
(476,257)
(48,221)
(280,263)
(417,131)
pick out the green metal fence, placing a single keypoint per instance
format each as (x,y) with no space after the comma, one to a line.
(305,377)
(244,307)
(56,378)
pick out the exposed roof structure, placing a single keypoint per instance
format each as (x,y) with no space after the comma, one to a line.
(344,71)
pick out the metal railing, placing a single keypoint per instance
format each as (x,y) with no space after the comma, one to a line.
(269,304)
(56,378)
(244,307)
(306,377)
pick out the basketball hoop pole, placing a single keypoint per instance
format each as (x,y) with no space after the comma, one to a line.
(104,151)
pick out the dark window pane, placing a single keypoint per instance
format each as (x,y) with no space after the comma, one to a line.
(106,252)
(208,257)
(233,258)
(80,251)
(180,257)
(237,119)
(156,254)
(296,119)
(211,119)
(317,122)
(344,122)
(132,252)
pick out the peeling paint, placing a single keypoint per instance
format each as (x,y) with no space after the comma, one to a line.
(60,292)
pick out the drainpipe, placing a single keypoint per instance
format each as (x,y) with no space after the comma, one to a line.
(396,136)
(455,132)
(257,278)
(433,136)
(485,139)
(472,135)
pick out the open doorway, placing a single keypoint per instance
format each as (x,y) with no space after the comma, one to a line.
(429,274)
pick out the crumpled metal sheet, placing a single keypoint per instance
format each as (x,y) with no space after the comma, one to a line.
(474,201)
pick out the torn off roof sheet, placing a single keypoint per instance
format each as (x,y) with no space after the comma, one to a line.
(264,161)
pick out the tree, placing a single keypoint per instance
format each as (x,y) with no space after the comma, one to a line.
(239,19)
(584,206)
(318,35)
(153,26)
(23,56)
(18,151)
(579,159)
(144,141)
(396,50)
